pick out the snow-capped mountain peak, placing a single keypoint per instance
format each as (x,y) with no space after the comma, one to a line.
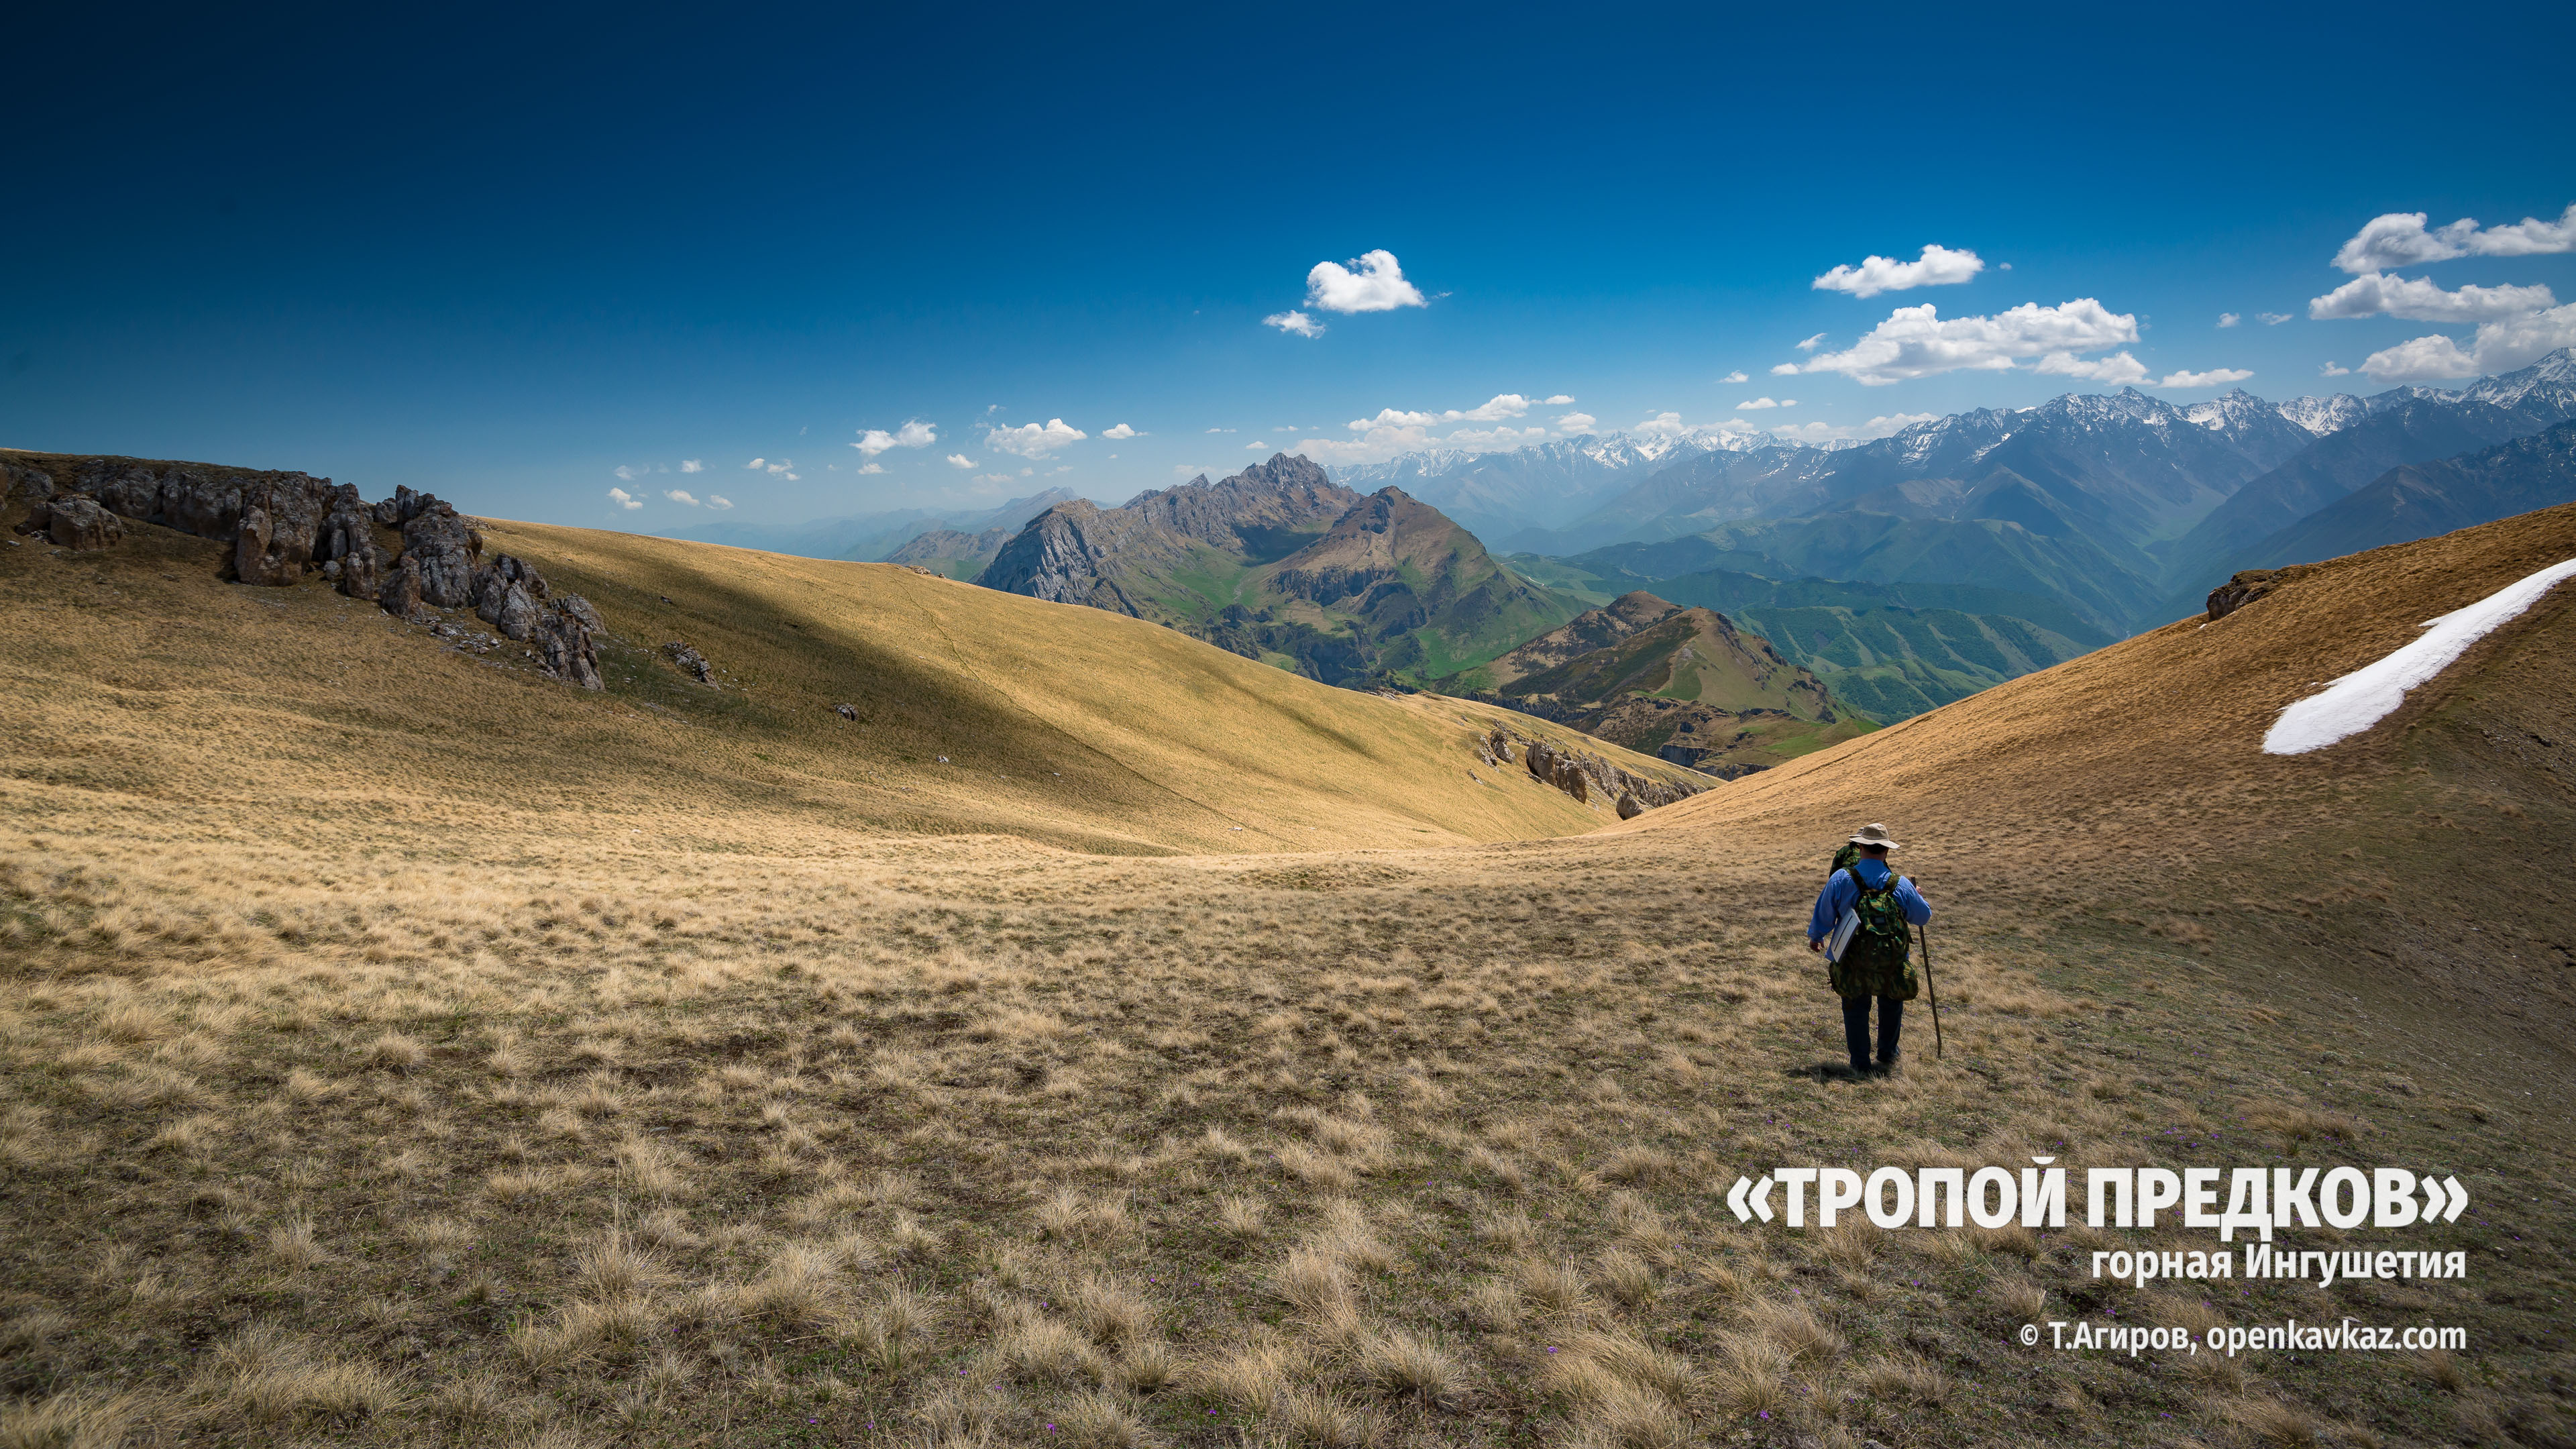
(2323,415)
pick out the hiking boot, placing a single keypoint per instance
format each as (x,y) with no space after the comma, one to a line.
(1886,1067)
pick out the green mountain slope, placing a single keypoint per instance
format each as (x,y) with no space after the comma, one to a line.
(1280,564)
(1682,683)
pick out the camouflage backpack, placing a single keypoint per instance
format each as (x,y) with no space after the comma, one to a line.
(1843,859)
(1879,960)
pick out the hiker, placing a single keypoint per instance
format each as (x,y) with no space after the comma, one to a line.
(1877,959)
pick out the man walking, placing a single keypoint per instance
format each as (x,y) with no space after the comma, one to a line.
(1874,958)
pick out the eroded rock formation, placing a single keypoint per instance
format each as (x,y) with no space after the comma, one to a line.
(1580,773)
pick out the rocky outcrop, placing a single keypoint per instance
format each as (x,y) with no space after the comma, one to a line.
(565,649)
(2247,586)
(446,548)
(17,481)
(1068,555)
(579,608)
(691,662)
(403,507)
(401,593)
(1579,773)
(506,596)
(75,523)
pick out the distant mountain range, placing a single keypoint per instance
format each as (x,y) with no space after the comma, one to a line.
(1513,499)
(2420,500)
(1682,683)
(1281,563)
(2118,509)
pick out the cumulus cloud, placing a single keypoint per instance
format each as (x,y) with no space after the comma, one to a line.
(756,464)
(1370,282)
(1735,376)
(783,468)
(2228,319)
(2215,377)
(1785,369)
(1810,345)
(2499,346)
(913,434)
(1221,430)
(2420,300)
(2118,369)
(1916,342)
(719,502)
(1558,401)
(1028,440)
(1879,427)
(1118,432)
(1255,446)
(681,496)
(2400,239)
(629,474)
(2273,319)
(624,499)
(866,468)
(960,460)
(1756,405)
(1938,267)
(1296,324)
(1577,422)
(2330,370)
(693,465)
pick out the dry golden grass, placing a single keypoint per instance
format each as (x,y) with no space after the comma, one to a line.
(365,1115)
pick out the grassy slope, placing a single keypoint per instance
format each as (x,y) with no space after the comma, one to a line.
(445,1130)
(1061,724)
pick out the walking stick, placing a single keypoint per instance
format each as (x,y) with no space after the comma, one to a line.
(1925,935)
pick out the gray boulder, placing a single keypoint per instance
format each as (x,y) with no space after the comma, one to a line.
(444,546)
(400,595)
(565,648)
(580,608)
(20,481)
(506,595)
(193,503)
(78,523)
(289,507)
(362,572)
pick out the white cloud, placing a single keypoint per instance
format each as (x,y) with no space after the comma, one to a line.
(1735,376)
(2118,369)
(867,468)
(1577,422)
(1879,427)
(1372,282)
(2399,239)
(719,502)
(756,463)
(1296,324)
(1755,405)
(1809,345)
(994,478)
(624,499)
(2273,319)
(1915,342)
(783,468)
(2420,359)
(1494,409)
(2330,370)
(2420,300)
(1785,369)
(1938,267)
(2499,346)
(960,460)
(680,495)
(1118,432)
(1558,401)
(1221,430)
(2228,319)
(1255,446)
(2215,377)
(693,465)
(1028,472)
(1029,440)
(913,434)
(629,474)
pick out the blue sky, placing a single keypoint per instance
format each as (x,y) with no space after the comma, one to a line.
(503,253)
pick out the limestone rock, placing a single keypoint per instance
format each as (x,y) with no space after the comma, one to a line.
(1587,777)
(565,648)
(19,481)
(78,523)
(403,507)
(691,663)
(506,595)
(361,574)
(289,508)
(348,528)
(580,608)
(193,503)
(2247,586)
(444,546)
(401,593)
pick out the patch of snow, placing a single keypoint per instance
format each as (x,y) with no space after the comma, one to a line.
(2368,695)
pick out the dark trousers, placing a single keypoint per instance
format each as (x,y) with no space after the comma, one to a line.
(1891,1020)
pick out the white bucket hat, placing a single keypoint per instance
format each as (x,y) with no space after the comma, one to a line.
(1874,834)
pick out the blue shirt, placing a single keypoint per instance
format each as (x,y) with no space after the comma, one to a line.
(1839,894)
